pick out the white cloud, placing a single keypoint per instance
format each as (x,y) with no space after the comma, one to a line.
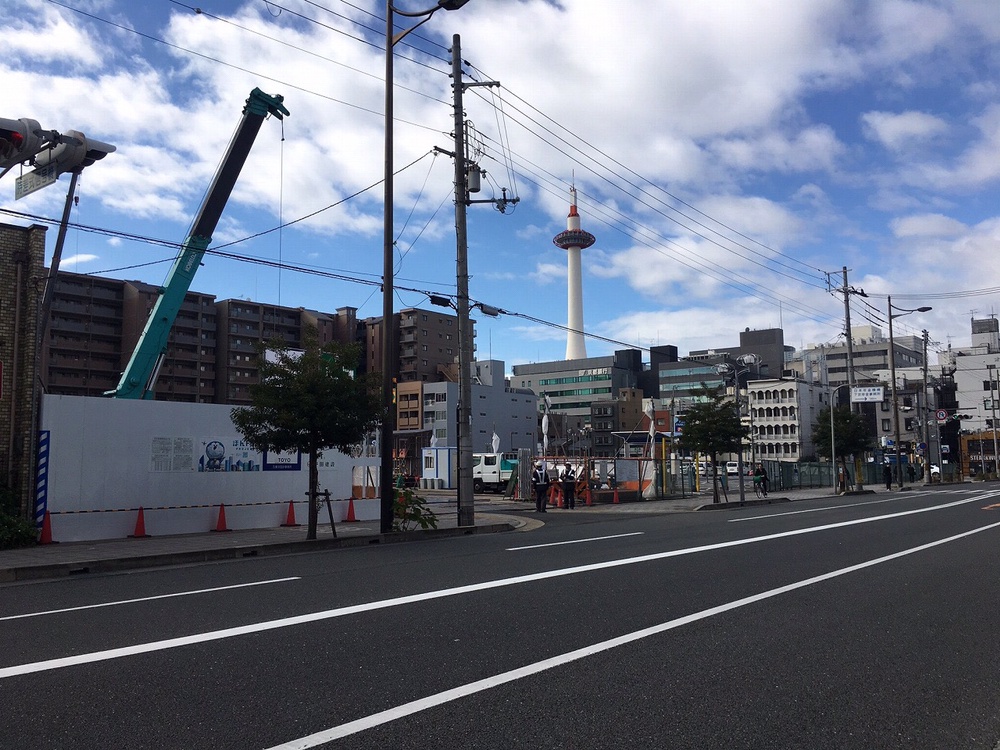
(927,225)
(900,130)
(78,259)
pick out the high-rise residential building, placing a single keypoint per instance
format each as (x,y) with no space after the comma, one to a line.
(189,364)
(83,355)
(428,345)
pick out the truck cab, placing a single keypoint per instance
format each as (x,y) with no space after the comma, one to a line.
(492,471)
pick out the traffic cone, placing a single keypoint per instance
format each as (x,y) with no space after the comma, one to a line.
(290,518)
(616,501)
(350,512)
(46,537)
(140,527)
(221,523)
(560,497)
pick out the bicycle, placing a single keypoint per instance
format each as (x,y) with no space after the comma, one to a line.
(759,490)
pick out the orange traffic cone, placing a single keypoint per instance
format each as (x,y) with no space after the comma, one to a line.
(46,537)
(290,518)
(350,512)
(221,523)
(616,501)
(560,502)
(140,527)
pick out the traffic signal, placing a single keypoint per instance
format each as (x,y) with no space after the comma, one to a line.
(74,151)
(19,140)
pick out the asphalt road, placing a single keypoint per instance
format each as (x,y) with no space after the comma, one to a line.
(863,622)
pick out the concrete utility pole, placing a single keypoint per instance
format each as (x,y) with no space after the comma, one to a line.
(924,413)
(463,165)
(848,290)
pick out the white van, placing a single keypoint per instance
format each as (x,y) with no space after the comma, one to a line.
(733,468)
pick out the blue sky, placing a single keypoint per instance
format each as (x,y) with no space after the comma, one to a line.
(726,155)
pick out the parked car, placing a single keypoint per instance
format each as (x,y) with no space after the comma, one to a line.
(733,468)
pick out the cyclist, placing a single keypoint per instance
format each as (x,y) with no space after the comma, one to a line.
(760,480)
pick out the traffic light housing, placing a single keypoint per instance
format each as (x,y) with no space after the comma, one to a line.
(74,151)
(19,141)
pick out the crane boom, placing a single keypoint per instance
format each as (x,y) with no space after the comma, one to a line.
(139,377)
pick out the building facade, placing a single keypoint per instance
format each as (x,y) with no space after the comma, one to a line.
(22,256)
(782,416)
(426,416)
(568,388)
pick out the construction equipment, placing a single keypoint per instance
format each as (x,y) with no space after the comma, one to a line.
(139,378)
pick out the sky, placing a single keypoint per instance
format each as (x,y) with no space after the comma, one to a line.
(730,156)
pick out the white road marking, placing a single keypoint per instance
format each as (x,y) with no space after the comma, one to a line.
(422,704)
(575,541)
(260,627)
(148,598)
(812,510)
(870,502)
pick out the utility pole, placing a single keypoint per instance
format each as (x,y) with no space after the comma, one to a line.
(466,508)
(925,413)
(851,380)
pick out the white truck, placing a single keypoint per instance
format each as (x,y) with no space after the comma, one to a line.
(492,471)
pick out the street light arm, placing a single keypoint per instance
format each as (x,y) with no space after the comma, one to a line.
(423,15)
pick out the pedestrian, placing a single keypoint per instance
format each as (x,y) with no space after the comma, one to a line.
(569,486)
(910,472)
(887,475)
(540,481)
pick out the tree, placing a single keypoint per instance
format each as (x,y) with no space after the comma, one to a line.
(309,402)
(713,426)
(851,433)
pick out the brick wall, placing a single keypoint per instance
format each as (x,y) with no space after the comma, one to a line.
(22,254)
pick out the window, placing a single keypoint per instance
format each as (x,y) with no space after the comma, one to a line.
(886,425)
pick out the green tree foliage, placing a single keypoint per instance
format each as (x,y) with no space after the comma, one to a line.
(851,434)
(712,427)
(309,402)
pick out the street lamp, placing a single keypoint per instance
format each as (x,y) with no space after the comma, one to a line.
(892,375)
(387,492)
(747,360)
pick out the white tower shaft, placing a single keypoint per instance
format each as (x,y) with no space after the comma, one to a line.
(573,240)
(576,344)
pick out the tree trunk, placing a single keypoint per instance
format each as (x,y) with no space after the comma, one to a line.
(313,493)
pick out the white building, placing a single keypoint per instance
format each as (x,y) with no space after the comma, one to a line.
(783,415)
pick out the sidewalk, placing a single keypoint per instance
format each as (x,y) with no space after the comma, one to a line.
(492,515)
(107,555)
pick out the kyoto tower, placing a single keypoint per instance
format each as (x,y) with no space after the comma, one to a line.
(573,240)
